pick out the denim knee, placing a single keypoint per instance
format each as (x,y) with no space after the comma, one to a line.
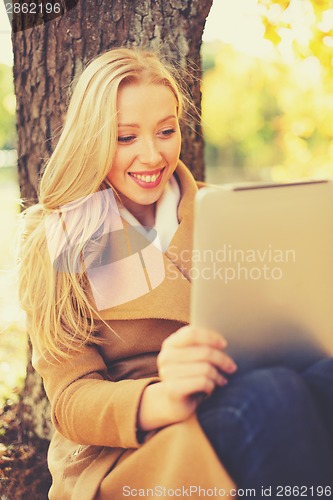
(319,379)
(265,388)
(266,428)
(272,398)
(322,369)
(265,425)
(276,390)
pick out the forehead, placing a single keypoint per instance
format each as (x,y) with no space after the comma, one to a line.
(139,101)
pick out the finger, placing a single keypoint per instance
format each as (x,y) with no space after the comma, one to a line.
(196,353)
(190,335)
(188,386)
(193,370)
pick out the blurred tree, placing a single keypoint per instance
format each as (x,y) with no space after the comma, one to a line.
(303,29)
(311,33)
(7,109)
(48,56)
(270,116)
(240,103)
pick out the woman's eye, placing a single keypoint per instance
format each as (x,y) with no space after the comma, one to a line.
(126,138)
(168,131)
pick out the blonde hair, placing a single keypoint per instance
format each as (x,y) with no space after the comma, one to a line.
(60,314)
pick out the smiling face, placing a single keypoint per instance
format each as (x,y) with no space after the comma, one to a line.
(148,149)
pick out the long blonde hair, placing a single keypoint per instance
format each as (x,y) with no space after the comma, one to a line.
(60,314)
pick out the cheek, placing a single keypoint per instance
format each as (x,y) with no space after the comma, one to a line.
(118,167)
(179,140)
(177,147)
(179,144)
(172,148)
(114,175)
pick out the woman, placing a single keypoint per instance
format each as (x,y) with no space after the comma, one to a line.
(124,371)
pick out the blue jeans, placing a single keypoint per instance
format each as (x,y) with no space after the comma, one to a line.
(274,426)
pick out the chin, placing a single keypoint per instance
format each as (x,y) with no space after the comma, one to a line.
(147,202)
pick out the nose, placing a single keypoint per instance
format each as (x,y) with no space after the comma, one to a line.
(149,153)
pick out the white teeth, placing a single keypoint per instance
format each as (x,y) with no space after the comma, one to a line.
(146,178)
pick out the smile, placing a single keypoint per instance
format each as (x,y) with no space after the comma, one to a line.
(146,179)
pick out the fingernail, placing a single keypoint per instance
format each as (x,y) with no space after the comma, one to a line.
(223,343)
(223,381)
(233,367)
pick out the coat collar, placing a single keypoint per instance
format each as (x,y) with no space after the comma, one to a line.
(171,299)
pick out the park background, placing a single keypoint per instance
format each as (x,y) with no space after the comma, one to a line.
(267,107)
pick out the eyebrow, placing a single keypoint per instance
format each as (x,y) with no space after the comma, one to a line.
(138,126)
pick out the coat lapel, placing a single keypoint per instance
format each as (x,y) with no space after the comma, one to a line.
(171,298)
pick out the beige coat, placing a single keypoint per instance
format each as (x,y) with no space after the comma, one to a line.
(95,451)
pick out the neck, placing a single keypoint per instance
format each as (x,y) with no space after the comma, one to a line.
(145,214)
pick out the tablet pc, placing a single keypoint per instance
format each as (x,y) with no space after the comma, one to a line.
(262,271)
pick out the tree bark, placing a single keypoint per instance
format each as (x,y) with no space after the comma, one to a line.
(48,55)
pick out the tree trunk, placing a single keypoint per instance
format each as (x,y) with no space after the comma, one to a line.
(48,55)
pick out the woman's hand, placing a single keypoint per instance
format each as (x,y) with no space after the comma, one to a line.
(191,363)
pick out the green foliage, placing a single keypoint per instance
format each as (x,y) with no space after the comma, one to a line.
(308,24)
(7,108)
(272,115)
